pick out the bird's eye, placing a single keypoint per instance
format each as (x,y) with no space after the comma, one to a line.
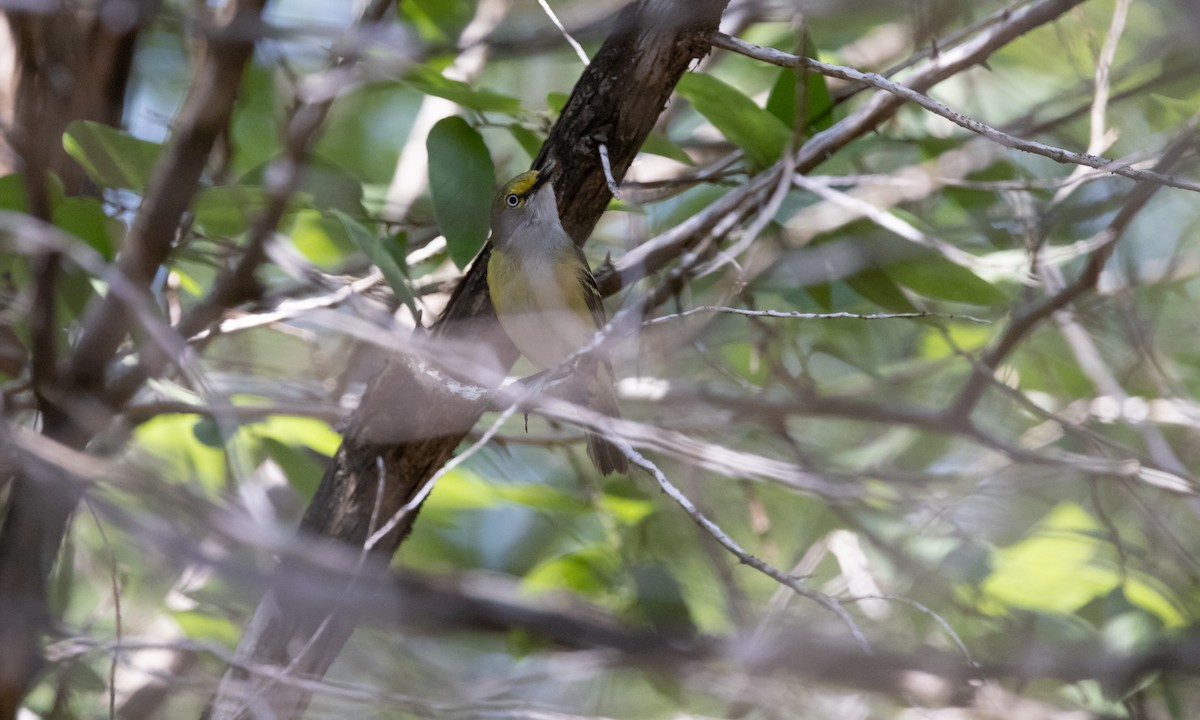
(512,200)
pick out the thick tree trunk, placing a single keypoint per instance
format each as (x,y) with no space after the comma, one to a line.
(408,425)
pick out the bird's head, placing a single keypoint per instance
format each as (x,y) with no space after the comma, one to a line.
(525,202)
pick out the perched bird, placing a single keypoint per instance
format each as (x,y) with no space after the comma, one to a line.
(545,295)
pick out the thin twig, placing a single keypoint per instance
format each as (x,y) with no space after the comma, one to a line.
(608,175)
(812,316)
(778,57)
(583,58)
(743,556)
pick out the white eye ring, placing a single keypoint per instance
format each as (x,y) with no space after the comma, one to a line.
(512,201)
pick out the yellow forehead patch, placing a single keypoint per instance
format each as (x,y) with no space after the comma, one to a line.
(521,184)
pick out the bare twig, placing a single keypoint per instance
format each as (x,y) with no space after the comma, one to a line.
(738,551)
(583,58)
(912,95)
(812,316)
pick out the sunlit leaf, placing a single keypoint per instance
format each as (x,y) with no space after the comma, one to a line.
(111,158)
(588,571)
(322,240)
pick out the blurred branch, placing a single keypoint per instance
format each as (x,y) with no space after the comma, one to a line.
(909,94)
(652,45)
(732,207)
(744,557)
(176,177)
(1026,320)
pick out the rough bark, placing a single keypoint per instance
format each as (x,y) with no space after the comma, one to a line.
(409,425)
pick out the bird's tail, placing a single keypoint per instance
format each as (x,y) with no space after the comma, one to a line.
(605,456)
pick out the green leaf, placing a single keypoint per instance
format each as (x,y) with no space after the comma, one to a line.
(818,103)
(529,141)
(556,101)
(326,185)
(659,145)
(227,210)
(541,497)
(438,21)
(200,626)
(12,193)
(322,240)
(875,285)
(300,467)
(110,157)
(821,294)
(588,571)
(1064,564)
(461,183)
(629,511)
(431,82)
(759,133)
(379,255)
(936,277)
(85,219)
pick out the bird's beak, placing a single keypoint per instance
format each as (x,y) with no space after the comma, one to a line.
(545,175)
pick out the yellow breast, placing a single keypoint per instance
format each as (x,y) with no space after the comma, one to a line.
(541,304)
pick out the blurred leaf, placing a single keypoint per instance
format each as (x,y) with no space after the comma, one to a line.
(461,182)
(588,571)
(431,82)
(302,470)
(556,101)
(936,277)
(85,218)
(628,511)
(110,157)
(966,337)
(1064,564)
(743,358)
(227,210)
(821,294)
(438,21)
(1053,569)
(659,600)
(12,193)
(295,431)
(464,490)
(208,628)
(658,145)
(529,141)
(323,185)
(322,240)
(172,439)
(541,497)
(874,285)
(373,247)
(748,126)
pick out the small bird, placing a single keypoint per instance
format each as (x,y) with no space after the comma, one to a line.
(545,296)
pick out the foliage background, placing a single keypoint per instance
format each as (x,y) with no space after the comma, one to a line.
(1047,534)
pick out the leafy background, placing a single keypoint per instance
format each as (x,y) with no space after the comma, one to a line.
(1061,520)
